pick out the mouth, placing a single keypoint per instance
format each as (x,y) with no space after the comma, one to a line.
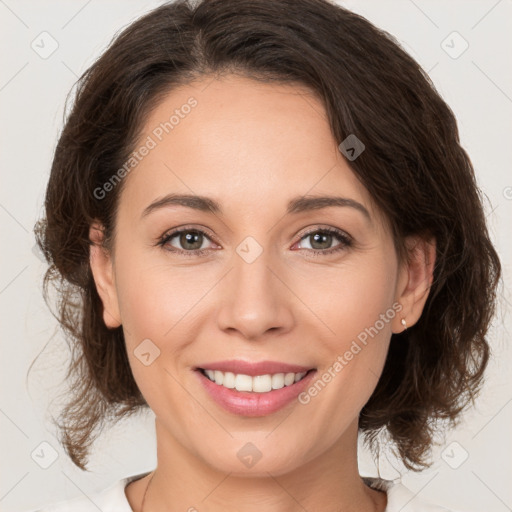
(254,395)
(254,388)
(254,384)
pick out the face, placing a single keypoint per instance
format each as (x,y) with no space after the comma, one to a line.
(316,287)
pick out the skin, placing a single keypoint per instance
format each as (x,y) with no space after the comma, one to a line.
(252,146)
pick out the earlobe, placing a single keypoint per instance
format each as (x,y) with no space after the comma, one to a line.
(416,278)
(103,273)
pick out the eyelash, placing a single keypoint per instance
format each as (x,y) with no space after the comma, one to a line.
(343,238)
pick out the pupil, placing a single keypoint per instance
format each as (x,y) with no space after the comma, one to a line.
(319,238)
(191,238)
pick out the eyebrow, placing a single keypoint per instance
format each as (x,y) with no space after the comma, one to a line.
(296,205)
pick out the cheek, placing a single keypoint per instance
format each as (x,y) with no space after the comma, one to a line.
(154,298)
(156,304)
(354,298)
(357,311)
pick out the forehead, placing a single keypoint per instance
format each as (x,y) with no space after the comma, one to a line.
(256,144)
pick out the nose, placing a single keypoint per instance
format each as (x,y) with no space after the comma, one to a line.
(255,299)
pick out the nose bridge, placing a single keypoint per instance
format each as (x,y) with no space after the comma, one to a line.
(255,299)
(251,273)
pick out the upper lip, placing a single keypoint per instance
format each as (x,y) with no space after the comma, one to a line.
(254,368)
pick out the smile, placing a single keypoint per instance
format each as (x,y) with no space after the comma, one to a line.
(252,396)
(256,384)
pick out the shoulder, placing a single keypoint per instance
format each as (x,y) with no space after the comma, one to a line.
(402,499)
(111,499)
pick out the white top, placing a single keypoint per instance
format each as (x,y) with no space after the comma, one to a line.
(113,499)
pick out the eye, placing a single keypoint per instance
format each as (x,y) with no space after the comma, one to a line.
(185,241)
(191,241)
(320,240)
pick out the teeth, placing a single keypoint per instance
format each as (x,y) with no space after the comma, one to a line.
(228,380)
(257,384)
(218,376)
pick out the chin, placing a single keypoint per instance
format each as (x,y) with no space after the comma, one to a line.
(247,460)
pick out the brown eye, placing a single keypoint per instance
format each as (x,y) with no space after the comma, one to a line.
(185,241)
(321,240)
(191,240)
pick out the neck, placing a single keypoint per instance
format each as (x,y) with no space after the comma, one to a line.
(329,481)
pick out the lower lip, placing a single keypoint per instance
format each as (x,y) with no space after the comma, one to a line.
(250,403)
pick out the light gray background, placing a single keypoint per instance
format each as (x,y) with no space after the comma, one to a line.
(477,85)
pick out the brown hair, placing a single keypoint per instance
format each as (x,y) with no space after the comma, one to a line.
(413,166)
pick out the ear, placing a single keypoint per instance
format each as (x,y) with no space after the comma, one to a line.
(415,279)
(102,269)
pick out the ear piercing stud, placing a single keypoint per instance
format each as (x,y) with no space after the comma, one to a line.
(404,323)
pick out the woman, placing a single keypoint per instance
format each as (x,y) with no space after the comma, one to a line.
(262,209)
